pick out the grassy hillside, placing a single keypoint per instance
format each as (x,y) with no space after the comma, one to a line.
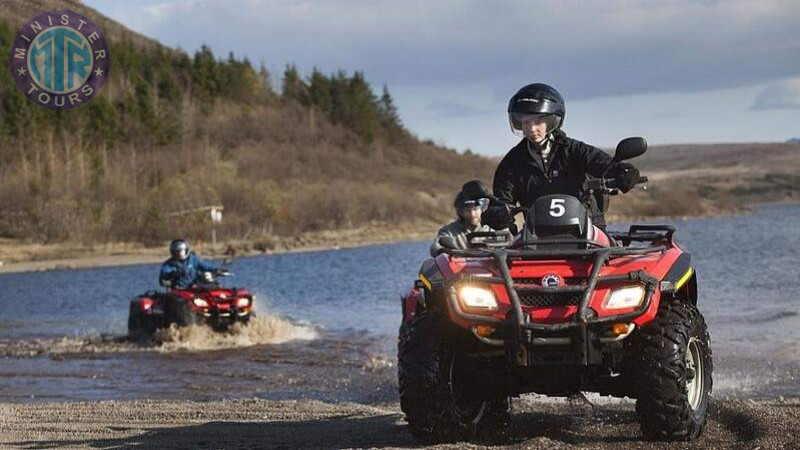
(690,180)
(172,132)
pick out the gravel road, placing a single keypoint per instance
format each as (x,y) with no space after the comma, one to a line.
(254,423)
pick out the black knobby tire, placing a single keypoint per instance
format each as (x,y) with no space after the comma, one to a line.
(180,313)
(429,397)
(136,322)
(673,368)
(246,319)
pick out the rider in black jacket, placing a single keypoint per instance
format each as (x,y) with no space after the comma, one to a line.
(546,161)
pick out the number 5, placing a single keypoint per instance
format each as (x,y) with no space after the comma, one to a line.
(557,208)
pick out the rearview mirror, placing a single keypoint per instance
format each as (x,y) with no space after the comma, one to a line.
(630,148)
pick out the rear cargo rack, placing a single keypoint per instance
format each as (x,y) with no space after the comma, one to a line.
(644,233)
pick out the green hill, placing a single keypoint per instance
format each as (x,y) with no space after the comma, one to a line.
(692,180)
(172,132)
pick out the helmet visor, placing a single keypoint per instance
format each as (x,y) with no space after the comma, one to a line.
(520,122)
(180,250)
(482,203)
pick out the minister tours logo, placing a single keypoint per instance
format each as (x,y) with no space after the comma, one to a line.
(60,59)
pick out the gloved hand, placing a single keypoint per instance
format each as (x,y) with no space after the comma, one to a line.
(498,217)
(173,276)
(625,176)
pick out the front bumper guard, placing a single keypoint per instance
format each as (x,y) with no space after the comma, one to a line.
(582,329)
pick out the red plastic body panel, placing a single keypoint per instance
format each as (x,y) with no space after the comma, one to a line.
(220,299)
(656,265)
(150,306)
(410,302)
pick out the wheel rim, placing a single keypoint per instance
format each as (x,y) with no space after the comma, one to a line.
(695,381)
(468,410)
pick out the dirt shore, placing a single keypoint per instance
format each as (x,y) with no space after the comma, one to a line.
(18,257)
(253,423)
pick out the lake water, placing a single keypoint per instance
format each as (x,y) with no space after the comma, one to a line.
(328,321)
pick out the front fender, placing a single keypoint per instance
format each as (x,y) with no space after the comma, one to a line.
(681,280)
(413,302)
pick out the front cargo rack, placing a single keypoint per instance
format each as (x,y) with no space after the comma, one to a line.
(599,255)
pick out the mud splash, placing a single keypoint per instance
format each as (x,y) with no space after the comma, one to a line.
(261,330)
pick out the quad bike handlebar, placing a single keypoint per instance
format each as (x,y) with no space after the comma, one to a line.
(208,279)
(608,185)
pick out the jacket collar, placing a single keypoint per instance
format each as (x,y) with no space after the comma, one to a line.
(531,157)
(526,156)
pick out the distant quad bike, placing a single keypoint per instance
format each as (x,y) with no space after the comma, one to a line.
(562,309)
(205,302)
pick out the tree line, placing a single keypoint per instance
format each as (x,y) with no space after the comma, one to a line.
(346,100)
(170,131)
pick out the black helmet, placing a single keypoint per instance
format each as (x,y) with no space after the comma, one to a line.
(537,99)
(473,194)
(179,249)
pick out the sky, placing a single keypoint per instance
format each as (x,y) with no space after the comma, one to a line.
(673,71)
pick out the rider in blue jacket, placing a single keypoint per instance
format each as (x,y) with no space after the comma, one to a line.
(182,269)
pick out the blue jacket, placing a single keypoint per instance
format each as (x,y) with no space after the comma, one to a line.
(182,274)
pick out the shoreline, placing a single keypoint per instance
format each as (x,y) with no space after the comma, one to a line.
(127,254)
(156,255)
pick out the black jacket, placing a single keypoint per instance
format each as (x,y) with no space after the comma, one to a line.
(522,176)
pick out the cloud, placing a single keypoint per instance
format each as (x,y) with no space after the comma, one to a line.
(613,48)
(452,109)
(668,114)
(674,71)
(784,94)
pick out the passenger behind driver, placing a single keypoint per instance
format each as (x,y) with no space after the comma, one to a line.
(181,270)
(469,205)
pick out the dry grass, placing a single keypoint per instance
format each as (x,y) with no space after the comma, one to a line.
(20,256)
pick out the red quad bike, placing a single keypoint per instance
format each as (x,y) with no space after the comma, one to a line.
(565,308)
(205,302)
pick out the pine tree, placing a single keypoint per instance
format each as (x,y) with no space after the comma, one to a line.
(340,98)
(204,77)
(363,117)
(389,118)
(266,81)
(293,86)
(319,87)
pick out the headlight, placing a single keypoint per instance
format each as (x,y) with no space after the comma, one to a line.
(242,302)
(200,303)
(627,297)
(477,298)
